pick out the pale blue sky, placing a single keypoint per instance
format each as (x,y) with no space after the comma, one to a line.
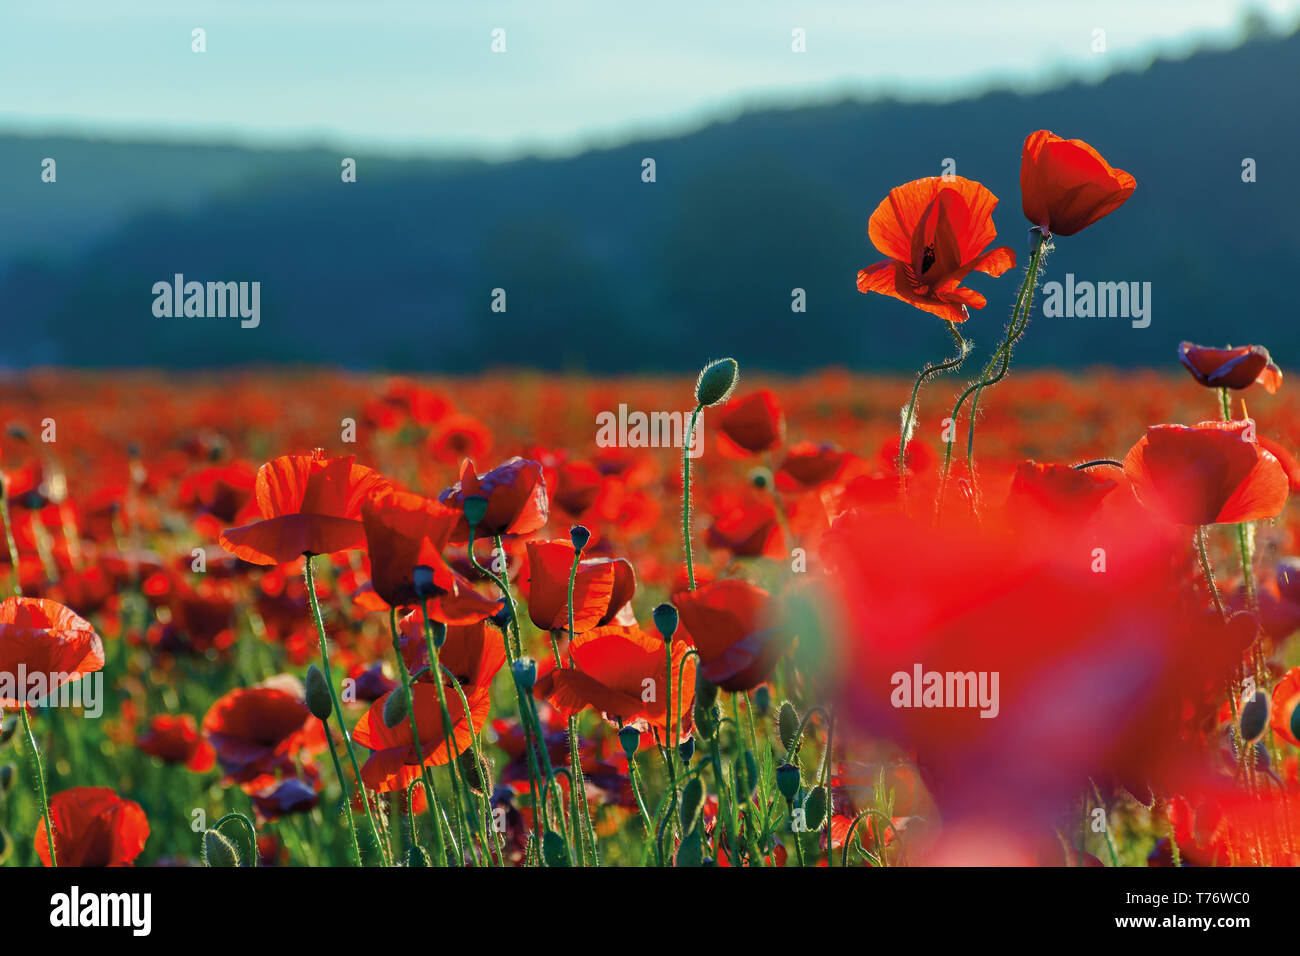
(419,75)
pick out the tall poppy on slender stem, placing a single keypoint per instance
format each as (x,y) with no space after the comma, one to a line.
(714,386)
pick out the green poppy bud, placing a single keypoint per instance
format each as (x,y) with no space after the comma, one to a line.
(690,852)
(692,800)
(525,672)
(554,850)
(318,694)
(665,616)
(475,507)
(717,381)
(704,721)
(686,750)
(1254,717)
(476,771)
(630,738)
(787,725)
(706,692)
(395,708)
(787,780)
(218,851)
(814,808)
(762,699)
(417,855)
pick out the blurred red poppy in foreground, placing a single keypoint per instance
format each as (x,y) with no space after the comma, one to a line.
(935,231)
(516,499)
(1057,491)
(1231,368)
(93,826)
(1066,185)
(621,673)
(309,505)
(43,638)
(393,762)
(729,622)
(1210,473)
(754,423)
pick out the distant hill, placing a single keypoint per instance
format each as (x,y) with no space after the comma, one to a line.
(605,273)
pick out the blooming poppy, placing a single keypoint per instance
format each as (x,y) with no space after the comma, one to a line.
(935,232)
(1057,490)
(405,537)
(809,464)
(621,672)
(93,826)
(393,762)
(1231,368)
(471,652)
(516,499)
(458,437)
(1066,185)
(601,588)
(747,525)
(40,637)
(1210,473)
(729,621)
(174,738)
(309,505)
(258,730)
(754,423)
(577,486)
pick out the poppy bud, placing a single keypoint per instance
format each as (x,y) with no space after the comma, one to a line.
(704,721)
(501,619)
(630,738)
(8,727)
(746,773)
(760,478)
(475,507)
(1254,717)
(7,775)
(717,381)
(814,808)
(686,750)
(395,708)
(6,845)
(762,699)
(476,772)
(692,800)
(525,671)
(787,780)
(554,850)
(422,579)
(706,692)
(218,851)
(579,536)
(787,725)
(691,850)
(665,616)
(418,856)
(438,631)
(318,694)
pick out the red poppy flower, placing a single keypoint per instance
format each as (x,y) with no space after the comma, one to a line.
(290,795)
(601,588)
(729,622)
(809,464)
(471,652)
(405,537)
(577,486)
(93,826)
(393,762)
(935,231)
(746,525)
(39,637)
(1207,474)
(755,423)
(621,672)
(1057,490)
(258,730)
(458,437)
(1231,368)
(1283,715)
(309,505)
(174,738)
(1066,185)
(516,497)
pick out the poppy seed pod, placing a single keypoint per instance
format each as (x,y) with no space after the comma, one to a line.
(475,770)
(762,699)
(395,708)
(525,673)
(665,616)
(501,619)
(630,738)
(760,478)
(1254,717)
(579,535)
(438,631)
(218,851)
(318,694)
(686,750)
(717,381)
(692,800)
(475,509)
(787,780)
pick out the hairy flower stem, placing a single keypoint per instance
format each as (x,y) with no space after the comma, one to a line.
(586,834)
(247,825)
(909,414)
(1244,537)
(686,494)
(430,799)
(1001,360)
(40,781)
(9,537)
(347,801)
(1208,570)
(309,578)
(485,804)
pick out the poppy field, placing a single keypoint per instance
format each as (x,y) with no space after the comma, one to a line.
(975,616)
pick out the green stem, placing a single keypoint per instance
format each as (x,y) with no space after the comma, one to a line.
(40,782)
(1244,543)
(9,536)
(462,826)
(347,801)
(1208,570)
(686,494)
(310,580)
(931,370)
(248,825)
(430,799)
